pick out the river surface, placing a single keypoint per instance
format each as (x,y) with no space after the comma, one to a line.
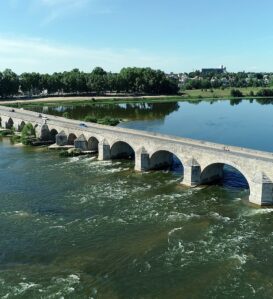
(82,228)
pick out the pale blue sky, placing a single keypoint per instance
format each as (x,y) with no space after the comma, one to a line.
(172,35)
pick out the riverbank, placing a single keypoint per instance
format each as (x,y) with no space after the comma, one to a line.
(99,99)
(248,92)
(188,95)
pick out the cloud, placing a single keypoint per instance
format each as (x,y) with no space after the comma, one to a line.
(29,54)
(53,10)
(56,9)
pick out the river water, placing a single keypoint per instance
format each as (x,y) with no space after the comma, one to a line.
(82,228)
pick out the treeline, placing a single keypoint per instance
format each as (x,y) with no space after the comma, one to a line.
(128,80)
(265,92)
(199,80)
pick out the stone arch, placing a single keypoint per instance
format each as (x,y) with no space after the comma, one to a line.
(225,173)
(53,133)
(71,138)
(164,159)
(21,126)
(93,144)
(122,150)
(9,123)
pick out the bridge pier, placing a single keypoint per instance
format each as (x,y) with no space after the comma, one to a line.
(81,143)
(142,160)
(104,150)
(44,132)
(61,138)
(192,173)
(261,190)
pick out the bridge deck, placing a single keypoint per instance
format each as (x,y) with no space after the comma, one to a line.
(31,116)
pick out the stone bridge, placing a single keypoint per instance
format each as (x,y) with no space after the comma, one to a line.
(202,161)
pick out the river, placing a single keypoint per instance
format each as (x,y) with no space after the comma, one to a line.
(82,228)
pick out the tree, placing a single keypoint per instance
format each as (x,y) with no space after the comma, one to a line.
(97,80)
(9,83)
(27,134)
(31,83)
(236,93)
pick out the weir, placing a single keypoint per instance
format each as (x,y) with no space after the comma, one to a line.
(202,161)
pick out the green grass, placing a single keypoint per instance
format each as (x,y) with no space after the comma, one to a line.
(219,93)
(92,102)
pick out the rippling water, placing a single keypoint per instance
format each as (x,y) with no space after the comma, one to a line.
(80,228)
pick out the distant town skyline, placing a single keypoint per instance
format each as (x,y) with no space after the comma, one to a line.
(174,36)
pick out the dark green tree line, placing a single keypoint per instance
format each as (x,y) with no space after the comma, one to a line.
(128,80)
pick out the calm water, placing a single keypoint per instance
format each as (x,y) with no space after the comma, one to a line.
(246,123)
(82,228)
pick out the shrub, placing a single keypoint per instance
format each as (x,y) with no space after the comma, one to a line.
(28,134)
(109,121)
(6,133)
(16,138)
(265,93)
(236,93)
(91,119)
(66,114)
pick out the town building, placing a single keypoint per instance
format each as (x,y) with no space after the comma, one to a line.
(220,70)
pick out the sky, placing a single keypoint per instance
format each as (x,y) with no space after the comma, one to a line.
(171,35)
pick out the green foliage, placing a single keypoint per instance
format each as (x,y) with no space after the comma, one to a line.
(66,114)
(133,80)
(265,93)
(236,93)
(108,121)
(6,132)
(28,134)
(146,80)
(91,119)
(16,138)
(9,83)
(103,121)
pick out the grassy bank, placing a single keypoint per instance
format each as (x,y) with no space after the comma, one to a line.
(220,93)
(92,101)
(188,95)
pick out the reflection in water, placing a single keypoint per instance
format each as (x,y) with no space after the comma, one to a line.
(141,111)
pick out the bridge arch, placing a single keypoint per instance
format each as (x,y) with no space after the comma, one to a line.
(9,123)
(226,173)
(164,159)
(122,150)
(53,133)
(93,144)
(71,138)
(21,126)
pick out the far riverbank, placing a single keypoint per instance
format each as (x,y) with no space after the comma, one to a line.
(188,95)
